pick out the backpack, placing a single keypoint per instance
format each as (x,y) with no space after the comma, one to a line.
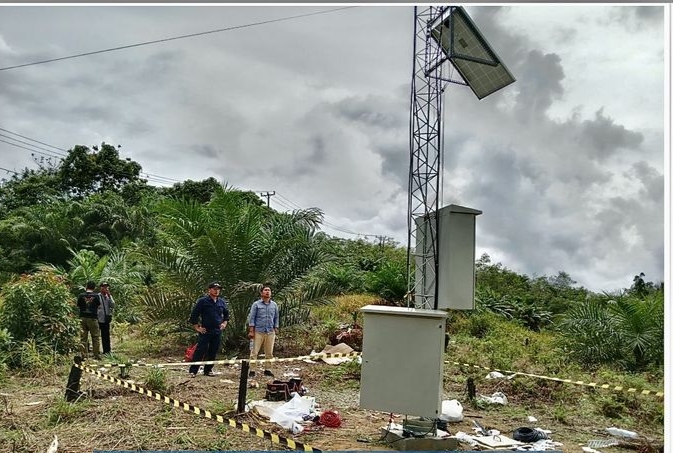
(189,353)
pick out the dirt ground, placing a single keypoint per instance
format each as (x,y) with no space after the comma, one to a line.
(115,418)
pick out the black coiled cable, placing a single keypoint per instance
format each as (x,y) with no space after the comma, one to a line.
(528,435)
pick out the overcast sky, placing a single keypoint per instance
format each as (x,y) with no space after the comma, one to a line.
(567,163)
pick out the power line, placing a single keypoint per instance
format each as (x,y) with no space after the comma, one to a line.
(9,171)
(34,146)
(324,222)
(282,201)
(191,35)
(33,140)
(60,158)
(31,149)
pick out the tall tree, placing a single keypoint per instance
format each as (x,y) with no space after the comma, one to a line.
(198,191)
(86,171)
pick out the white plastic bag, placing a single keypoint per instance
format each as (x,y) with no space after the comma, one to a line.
(496,398)
(293,411)
(495,375)
(452,411)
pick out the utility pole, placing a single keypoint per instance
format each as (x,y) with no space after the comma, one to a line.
(383,241)
(268,196)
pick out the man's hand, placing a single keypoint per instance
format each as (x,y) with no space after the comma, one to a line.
(200,329)
(275,330)
(251,333)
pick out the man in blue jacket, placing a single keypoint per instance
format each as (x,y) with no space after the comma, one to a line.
(209,317)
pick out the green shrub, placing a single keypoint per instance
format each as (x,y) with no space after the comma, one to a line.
(34,356)
(39,307)
(156,380)
(6,350)
(389,281)
(63,412)
(480,324)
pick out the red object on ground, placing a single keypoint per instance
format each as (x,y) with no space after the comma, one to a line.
(330,419)
(189,353)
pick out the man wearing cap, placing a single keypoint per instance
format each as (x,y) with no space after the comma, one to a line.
(105,310)
(209,317)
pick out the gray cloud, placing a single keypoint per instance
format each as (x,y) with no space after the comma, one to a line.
(539,84)
(318,109)
(603,137)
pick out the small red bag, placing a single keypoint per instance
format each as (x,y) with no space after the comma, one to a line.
(189,353)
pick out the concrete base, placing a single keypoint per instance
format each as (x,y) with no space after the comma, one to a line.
(427,443)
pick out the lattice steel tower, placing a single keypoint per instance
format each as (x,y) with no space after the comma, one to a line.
(441,34)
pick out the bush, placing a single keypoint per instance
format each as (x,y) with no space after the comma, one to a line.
(156,380)
(624,330)
(39,307)
(389,281)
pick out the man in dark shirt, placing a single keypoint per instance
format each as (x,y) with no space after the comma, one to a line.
(88,303)
(209,317)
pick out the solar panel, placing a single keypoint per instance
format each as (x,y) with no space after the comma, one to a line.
(471,55)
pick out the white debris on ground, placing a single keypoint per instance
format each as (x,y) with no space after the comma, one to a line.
(290,415)
(496,398)
(590,450)
(263,407)
(541,445)
(492,439)
(622,432)
(341,348)
(452,411)
(602,443)
(53,447)
(495,375)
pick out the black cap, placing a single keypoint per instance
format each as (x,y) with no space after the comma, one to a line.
(214,285)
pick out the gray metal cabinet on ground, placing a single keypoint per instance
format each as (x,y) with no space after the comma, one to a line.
(402,360)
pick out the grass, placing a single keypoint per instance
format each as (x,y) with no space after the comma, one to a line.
(62,411)
(113,417)
(156,380)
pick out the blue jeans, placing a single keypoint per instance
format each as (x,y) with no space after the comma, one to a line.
(207,346)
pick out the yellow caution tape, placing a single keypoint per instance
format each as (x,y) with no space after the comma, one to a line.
(567,381)
(234,361)
(274,438)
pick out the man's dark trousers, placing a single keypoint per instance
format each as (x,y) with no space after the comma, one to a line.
(105,336)
(207,346)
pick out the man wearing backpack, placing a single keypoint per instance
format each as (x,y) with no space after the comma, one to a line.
(88,303)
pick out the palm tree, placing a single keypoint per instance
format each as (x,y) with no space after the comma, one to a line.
(240,244)
(624,329)
(125,275)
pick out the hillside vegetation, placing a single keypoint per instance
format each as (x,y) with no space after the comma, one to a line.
(91,217)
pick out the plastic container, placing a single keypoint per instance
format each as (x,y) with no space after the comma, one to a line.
(622,433)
